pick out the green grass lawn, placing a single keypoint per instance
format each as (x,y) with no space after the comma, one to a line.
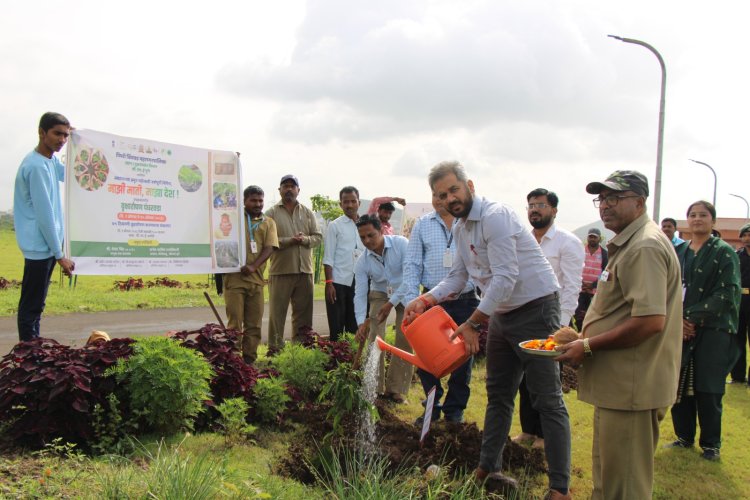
(679,473)
(97,293)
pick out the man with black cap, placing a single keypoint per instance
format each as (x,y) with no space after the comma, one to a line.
(740,373)
(290,278)
(595,261)
(629,355)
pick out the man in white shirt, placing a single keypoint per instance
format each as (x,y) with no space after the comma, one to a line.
(342,249)
(520,301)
(564,252)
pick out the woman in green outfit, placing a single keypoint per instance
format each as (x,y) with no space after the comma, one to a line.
(711,288)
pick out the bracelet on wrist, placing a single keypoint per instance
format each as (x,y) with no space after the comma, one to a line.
(329,281)
(424,301)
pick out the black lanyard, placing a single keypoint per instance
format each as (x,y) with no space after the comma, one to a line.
(446,232)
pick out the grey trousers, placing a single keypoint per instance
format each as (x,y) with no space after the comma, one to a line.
(506,363)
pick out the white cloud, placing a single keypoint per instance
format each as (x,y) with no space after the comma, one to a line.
(365,75)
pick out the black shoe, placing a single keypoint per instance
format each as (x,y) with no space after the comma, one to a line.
(496,482)
(419,422)
(734,381)
(711,454)
(679,443)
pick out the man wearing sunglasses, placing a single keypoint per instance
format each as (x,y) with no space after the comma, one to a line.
(632,340)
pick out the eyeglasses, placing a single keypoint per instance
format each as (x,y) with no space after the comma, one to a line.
(613,199)
(532,206)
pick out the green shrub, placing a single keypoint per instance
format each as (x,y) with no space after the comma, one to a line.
(271,399)
(302,368)
(233,413)
(343,388)
(165,382)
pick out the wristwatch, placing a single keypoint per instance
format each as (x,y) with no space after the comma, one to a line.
(475,325)
(587,349)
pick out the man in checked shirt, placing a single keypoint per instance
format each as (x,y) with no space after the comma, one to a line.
(429,257)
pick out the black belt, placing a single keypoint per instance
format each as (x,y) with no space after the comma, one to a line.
(468,295)
(532,303)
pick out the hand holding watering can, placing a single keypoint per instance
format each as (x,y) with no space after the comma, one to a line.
(431,334)
(465,331)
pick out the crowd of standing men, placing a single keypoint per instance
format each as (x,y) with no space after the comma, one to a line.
(639,350)
(663,321)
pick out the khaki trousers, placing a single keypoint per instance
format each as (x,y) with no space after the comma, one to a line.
(399,371)
(283,289)
(245,313)
(623,453)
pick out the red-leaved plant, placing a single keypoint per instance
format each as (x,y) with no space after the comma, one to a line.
(49,390)
(234,378)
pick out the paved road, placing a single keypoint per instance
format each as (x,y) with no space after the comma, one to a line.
(74,329)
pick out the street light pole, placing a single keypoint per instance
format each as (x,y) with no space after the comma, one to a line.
(747,205)
(660,140)
(713,172)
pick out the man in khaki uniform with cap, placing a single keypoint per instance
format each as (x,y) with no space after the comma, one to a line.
(629,355)
(243,291)
(291,275)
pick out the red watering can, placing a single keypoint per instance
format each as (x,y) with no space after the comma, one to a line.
(429,336)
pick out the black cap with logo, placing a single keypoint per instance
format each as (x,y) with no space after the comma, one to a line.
(289,177)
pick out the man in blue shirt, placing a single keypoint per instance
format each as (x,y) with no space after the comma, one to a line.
(38,220)
(382,266)
(669,228)
(429,257)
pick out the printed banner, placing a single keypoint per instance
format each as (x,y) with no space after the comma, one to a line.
(135,206)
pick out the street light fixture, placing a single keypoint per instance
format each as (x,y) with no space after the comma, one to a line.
(660,140)
(713,172)
(747,210)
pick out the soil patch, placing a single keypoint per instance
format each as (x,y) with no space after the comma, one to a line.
(454,446)
(569,378)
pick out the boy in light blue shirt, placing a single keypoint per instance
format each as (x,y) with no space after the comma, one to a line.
(38,220)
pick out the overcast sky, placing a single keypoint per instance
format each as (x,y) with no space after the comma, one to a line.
(525,94)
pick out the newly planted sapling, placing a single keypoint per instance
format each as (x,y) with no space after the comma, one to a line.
(302,368)
(270,399)
(233,413)
(343,389)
